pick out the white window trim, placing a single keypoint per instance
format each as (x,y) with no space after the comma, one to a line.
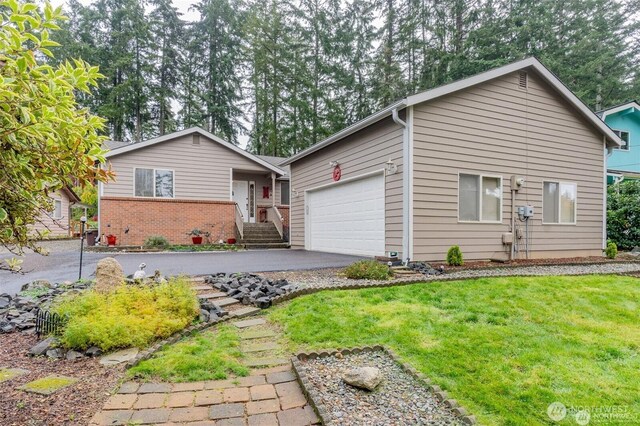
(575,205)
(154,182)
(628,148)
(53,214)
(480,175)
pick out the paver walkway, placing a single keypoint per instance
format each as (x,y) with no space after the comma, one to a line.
(269,396)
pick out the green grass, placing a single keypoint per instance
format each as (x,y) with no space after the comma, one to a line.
(210,355)
(504,347)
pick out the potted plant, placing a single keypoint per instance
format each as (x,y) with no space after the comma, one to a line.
(111,240)
(197,234)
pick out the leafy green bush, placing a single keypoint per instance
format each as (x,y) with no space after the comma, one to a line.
(128,316)
(612,250)
(156,241)
(454,256)
(623,214)
(368,270)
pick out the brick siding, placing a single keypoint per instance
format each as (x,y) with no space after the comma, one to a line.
(170,218)
(284,212)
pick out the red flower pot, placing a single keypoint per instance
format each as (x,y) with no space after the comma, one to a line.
(196,240)
(111,240)
(231,241)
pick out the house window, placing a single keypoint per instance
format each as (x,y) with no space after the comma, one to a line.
(57,209)
(284,193)
(559,201)
(624,135)
(479,198)
(153,183)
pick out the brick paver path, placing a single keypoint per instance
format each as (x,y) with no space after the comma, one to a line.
(270,396)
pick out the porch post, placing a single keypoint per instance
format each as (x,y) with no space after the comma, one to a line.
(273,186)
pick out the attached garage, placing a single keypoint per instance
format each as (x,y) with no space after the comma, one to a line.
(435,170)
(347,217)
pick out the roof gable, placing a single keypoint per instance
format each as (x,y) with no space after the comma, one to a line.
(151,142)
(525,64)
(633,106)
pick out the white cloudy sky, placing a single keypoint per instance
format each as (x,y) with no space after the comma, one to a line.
(182,5)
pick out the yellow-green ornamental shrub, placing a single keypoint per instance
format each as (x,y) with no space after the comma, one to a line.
(368,270)
(612,250)
(454,256)
(128,316)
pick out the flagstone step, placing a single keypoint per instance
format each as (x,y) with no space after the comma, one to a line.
(227,301)
(265,362)
(245,312)
(250,322)
(257,334)
(11,373)
(260,347)
(202,288)
(216,295)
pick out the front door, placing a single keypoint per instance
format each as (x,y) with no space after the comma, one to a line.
(245,199)
(241,197)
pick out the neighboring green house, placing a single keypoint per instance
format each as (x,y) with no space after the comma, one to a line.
(624,162)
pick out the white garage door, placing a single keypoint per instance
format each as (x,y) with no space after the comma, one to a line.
(347,217)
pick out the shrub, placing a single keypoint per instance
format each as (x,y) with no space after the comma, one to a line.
(623,214)
(127,316)
(368,270)
(156,241)
(454,256)
(612,250)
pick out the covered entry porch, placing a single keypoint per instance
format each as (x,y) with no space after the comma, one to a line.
(258,198)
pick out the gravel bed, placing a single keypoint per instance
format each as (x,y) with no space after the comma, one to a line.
(399,400)
(333,277)
(74,405)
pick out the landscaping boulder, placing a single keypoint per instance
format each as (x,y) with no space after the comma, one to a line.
(109,274)
(363,377)
(43,346)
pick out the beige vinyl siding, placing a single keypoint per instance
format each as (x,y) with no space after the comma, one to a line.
(498,128)
(55,227)
(201,172)
(365,151)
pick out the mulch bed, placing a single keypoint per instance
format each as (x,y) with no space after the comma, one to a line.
(484,264)
(74,405)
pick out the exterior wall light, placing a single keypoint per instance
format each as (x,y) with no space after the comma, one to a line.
(391,167)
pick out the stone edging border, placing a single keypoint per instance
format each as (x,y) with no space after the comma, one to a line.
(323,413)
(315,288)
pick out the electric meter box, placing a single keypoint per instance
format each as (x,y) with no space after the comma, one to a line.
(525,211)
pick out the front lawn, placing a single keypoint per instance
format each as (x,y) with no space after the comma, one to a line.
(209,355)
(505,348)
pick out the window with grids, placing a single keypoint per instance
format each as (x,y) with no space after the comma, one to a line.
(559,201)
(153,183)
(479,198)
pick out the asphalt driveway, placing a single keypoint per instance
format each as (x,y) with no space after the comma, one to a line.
(62,264)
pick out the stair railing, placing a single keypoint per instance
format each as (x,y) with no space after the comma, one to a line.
(239,222)
(274,216)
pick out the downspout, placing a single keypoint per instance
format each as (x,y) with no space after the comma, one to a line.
(604,194)
(406,183)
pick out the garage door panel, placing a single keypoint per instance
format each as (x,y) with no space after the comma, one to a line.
(348,217)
